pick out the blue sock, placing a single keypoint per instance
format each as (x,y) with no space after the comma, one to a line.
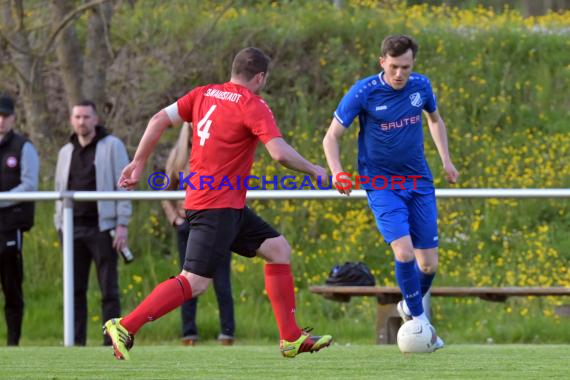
(425,280)
(407,278)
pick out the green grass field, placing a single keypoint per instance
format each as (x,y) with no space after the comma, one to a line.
(263,362)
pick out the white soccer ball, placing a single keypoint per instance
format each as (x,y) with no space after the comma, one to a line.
(416,337)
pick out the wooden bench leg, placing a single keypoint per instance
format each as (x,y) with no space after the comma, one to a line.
(388,322)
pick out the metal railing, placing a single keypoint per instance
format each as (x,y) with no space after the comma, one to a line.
(68,197)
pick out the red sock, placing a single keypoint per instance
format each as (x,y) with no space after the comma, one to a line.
(281,292)
(166,296)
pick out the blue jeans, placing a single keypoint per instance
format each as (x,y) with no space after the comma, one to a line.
(222,286)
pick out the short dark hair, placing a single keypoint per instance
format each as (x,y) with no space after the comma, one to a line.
(398,44)
(249,62)
(86,103)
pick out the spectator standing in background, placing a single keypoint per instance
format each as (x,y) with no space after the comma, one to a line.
(19,170)
(92,160)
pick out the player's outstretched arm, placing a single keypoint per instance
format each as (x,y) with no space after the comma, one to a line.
(439,136)
(331,145)
(132,172)
(284,153)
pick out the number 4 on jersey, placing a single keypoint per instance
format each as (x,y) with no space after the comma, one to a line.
(204,126)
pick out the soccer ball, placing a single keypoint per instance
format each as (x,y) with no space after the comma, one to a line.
(417,337)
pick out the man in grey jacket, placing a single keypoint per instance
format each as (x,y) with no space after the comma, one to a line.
(19,168)
(93,161)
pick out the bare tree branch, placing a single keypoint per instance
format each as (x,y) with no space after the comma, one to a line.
(10,42)
(19,72)
(32,93)
(67,49)
(106,22)
(66,20)
(18,8)
(9,8)
(16,39)
(97,58)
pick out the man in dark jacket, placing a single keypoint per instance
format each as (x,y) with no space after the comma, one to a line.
(19,168)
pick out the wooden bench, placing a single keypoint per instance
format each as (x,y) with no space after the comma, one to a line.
(388,321)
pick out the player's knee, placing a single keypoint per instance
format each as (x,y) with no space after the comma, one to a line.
(403,249)
(281,250)
(428,268)
(198,284)
(276,250)
(198,288)
(404,255)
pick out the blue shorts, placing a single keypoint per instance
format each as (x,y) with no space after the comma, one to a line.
(406,212)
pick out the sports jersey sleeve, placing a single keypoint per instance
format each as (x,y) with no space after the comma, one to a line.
(185,105)
(431,102)
(350,106)
(259,119)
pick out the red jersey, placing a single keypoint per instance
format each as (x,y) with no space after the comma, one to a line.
(228,120)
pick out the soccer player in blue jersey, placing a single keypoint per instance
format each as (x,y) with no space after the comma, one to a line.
(389,107)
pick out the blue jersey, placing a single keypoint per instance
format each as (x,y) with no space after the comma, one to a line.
(390,140)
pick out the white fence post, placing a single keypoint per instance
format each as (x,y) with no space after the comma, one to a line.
(68,301)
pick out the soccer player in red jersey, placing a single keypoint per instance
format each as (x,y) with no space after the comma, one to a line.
(228,121)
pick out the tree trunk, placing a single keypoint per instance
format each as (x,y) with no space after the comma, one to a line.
(68,53)
(98,55)
(30,80)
